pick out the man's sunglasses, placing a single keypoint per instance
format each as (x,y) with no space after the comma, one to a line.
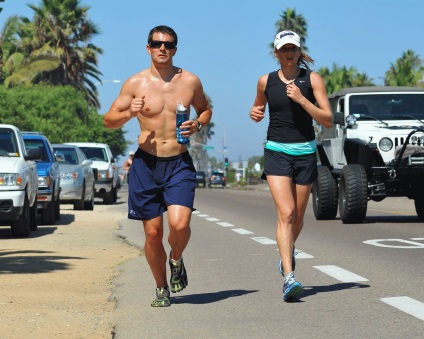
(158,44)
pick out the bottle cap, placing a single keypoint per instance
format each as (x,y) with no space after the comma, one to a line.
(180,106)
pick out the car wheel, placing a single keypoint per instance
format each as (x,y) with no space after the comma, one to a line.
(79,204)
(419,206)
(21,227)
(89,205)
(353,194)
(33,216)
(108,198)
(324,195)
(48,214)
(57,208)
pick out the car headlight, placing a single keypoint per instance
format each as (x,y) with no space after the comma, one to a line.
(385,144)
(422,140)
(104,174)
(10,179)
(414,139)
(69,176)
(43,181)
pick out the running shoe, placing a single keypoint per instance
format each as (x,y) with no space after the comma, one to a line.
(280,264)
(162,297)
(292,289)
(179,279)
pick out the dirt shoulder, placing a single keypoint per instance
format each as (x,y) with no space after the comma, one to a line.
(58,282)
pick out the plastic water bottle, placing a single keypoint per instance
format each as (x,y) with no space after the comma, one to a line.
(182,115)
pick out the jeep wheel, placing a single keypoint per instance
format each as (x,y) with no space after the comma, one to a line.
(324,195)
(33,217)
(353,194)
(48,214)
(419,207)
(21,227)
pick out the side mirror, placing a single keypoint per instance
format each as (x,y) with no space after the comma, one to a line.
(87,162)
(338,118)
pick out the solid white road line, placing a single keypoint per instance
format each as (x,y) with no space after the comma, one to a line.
(340,273)
(407,305)
(241,231)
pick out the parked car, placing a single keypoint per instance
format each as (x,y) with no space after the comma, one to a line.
(104,163)
(18,182)
(201,179)
(76,177)
(217,178)
(48,202)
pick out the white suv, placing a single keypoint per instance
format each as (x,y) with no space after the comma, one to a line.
(107,170)
(374,150)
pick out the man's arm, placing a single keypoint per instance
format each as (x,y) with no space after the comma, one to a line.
(201,105)
(124,108)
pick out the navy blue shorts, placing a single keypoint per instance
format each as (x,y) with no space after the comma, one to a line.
(157,182)
(302,169)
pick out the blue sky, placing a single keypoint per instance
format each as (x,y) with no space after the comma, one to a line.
(226,42)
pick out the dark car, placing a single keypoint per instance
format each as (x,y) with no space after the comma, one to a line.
(48,201)
(217,178)
(201,179)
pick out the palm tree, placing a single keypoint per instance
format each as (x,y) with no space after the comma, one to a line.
(61,30)
(23,62)
(407,71)
(291,21)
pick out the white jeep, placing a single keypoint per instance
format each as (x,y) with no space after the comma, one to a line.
(374,150)
(18,182)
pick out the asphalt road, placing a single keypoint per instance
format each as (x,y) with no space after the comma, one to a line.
(361,281)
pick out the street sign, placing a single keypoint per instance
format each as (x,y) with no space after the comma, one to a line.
(205,147)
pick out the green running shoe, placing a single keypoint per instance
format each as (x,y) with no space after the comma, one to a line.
(179,279)
(162,297)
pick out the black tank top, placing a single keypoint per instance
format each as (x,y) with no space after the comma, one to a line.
(288,121)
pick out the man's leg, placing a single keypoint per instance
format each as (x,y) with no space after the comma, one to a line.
(154,250)
(179,235)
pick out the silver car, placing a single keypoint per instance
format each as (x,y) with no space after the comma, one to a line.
(76,177)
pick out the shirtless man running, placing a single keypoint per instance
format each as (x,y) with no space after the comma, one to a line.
(163,177)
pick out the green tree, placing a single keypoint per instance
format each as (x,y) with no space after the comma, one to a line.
(406,71)
(60,112)
(290,20)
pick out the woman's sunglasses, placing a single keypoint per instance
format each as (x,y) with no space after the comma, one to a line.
(158,44)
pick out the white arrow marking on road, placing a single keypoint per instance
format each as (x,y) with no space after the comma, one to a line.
(241,231)
(407,305)
(378,242)
(340,273)
(264,240)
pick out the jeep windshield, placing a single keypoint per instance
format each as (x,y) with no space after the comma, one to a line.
(8,144)
(388,106)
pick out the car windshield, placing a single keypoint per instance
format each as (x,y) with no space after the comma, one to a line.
(388,106)
(8,144)
(66,156)
(95,153)
(29,144)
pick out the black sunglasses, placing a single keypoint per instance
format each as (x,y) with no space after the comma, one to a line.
(158,44)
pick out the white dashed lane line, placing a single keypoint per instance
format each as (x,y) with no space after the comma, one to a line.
(407,305)
(340,273)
